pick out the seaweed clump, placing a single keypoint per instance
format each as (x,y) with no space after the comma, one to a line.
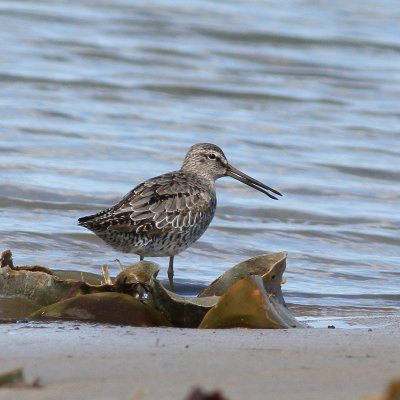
(248,295)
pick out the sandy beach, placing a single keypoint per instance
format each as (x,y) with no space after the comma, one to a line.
(83,361)
(98,97)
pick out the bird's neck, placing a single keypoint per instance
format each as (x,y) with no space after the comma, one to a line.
(200,176)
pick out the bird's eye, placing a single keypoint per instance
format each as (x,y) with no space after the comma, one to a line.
(212,156)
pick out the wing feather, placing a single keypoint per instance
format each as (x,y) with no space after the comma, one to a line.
(170,201)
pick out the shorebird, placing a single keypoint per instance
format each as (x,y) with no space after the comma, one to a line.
(165,215)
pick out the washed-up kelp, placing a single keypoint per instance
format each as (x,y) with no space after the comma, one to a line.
(269,266)
(248,295)
(38,286)
(43,286)
(200,394)
(135,278)
(184,312)
(15,379)
(112,308)
(246,304)
(251,296)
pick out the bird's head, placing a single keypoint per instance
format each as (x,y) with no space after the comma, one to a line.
(209,161)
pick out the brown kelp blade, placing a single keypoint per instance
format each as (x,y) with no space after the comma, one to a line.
(15,379)
(184,312)
(270,266)
(135,278)
(27,288)
(112,308)
(40,288)
(246,304)
(142,271)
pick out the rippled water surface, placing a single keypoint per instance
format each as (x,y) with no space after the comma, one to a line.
(97,96)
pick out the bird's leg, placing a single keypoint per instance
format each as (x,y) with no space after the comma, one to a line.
(119,263)
(171,272)
(141,258)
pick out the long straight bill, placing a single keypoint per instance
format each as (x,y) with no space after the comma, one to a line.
(249,181)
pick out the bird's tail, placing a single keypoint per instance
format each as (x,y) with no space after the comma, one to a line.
(85,221)
(90,220)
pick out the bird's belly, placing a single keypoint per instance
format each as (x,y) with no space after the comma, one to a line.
(167,243)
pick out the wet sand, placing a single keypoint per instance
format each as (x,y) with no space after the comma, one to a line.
(80,361)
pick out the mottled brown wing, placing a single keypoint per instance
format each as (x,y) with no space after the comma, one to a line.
(168,202)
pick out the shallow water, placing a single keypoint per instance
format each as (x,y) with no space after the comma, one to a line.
(98,96)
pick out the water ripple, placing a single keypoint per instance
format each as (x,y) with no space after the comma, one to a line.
(96,97)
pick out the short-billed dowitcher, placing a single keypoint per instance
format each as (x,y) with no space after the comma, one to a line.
(165,215)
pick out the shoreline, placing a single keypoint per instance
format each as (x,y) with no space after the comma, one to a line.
(74,360)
